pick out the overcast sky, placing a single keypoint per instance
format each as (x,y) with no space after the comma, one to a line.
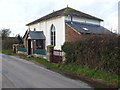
(14,14)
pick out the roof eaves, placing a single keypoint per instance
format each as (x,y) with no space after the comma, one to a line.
(25,33)
(34,22)
(38,20)
(88,15)
(62,12)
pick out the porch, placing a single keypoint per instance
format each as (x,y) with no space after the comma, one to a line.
(34,42)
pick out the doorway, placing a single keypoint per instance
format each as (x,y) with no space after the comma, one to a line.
(29,46)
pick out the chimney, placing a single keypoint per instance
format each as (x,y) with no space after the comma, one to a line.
(67,5)
(28,29)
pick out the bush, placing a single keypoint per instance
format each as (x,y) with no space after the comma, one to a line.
(96,51)
(70,55)
(8,42)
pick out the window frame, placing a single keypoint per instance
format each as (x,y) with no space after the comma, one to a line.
(53,35)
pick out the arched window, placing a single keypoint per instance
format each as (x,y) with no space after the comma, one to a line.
(53,35)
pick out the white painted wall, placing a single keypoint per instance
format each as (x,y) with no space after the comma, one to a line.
(81,19)
(33,26)
(59,23)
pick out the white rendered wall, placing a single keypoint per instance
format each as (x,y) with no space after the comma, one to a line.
(33,26)
(85,20)
(59,23)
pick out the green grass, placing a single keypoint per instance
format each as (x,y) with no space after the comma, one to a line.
(9,52)
(43,62)
(105,77)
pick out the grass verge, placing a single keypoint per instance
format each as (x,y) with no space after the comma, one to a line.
(108,78)
(9,52)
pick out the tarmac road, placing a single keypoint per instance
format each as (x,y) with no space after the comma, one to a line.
(19,73)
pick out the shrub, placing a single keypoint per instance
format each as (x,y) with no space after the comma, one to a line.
(96,51)
(70,49)
(8,42)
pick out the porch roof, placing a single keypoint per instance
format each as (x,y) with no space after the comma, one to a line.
(37,35)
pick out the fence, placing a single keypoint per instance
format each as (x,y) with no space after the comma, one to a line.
(56,56)
(22,49)
(52,55)
(40,51)
(36,51)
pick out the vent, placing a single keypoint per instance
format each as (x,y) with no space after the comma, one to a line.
(85,29)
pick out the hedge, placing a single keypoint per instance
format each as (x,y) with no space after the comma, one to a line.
(96,51)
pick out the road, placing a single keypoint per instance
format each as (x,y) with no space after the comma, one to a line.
(19,73)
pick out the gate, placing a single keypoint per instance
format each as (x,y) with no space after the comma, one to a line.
(56,56)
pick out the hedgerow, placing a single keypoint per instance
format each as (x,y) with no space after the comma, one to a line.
(96,51)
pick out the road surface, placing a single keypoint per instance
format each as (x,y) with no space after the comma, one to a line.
(19,73)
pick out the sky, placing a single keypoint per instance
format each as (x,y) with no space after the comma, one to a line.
(15,14)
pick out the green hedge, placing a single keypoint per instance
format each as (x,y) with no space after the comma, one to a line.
(96,51)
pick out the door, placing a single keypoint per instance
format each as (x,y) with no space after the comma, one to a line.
(29,46)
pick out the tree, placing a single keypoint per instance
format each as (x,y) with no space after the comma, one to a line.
(20,39)
(5,33)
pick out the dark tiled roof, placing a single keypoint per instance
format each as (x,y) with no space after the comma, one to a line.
(88,28)
(66,11)
(37,35)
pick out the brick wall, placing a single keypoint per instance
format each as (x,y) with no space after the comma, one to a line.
(71,35)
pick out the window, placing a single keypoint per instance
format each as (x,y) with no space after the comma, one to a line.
(39,44)
(53,35)
(85,29)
